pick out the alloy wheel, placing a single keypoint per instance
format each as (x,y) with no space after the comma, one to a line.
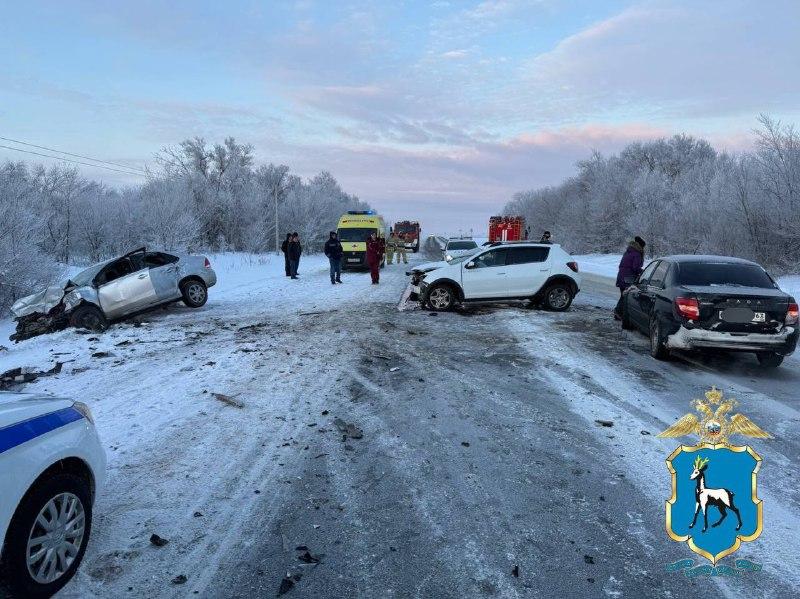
(55,538)
(558,298)
(196,293)
(439,298)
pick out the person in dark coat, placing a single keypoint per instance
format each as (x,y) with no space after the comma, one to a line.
(285,250)
(333,250)
(294,250)
(375,251)
(630,267)
(546,237)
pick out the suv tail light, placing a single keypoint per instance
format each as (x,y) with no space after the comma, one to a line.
(688,307)
(207,264)
(792,314)
(573,266)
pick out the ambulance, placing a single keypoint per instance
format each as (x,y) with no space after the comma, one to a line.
(354,228)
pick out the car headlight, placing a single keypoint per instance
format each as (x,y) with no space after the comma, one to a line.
(84,410)
(71,300)
(448,257)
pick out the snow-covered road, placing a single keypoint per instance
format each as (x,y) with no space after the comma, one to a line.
(480,450)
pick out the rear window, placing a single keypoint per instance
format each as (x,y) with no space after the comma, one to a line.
(721,273)
(462,245)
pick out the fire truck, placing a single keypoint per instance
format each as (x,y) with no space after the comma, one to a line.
(411,232)
(506,228)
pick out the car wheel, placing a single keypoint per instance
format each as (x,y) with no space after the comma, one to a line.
(195,293)
(658,347)
(47,536)
(441,298)
(88,316)
(769,359)
(557,297)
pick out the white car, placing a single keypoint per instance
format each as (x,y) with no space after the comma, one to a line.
(542,273)
(456,248)
(51,467)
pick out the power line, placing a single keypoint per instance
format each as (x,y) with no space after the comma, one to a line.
(24,143)
(140,174)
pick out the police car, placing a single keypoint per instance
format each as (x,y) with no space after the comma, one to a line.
(51,467)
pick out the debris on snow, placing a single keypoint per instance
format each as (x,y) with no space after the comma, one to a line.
(588,559)
(180,579)
(157,540)
(606,423)
(515,571)
(465,443)
(348,429)
(228,399)
(394,369)
(102,354)
(22,375)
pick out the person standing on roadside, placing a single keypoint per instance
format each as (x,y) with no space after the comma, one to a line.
(375,251)
(391,247)
(630,267)
(401,249)
(285,250)
(333,250)
(294,251)
(546,237)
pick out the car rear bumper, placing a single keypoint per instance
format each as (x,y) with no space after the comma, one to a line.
(783,342)
(209,276)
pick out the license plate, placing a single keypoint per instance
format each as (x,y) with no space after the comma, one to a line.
(759,317)
(353,260)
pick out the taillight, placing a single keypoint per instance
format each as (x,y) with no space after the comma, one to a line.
(207,263)
(792,314)
(573,266)
(688,307)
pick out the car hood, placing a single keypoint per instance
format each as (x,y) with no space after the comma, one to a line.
(735,291)
(43,302)
(429,266)
(19,407)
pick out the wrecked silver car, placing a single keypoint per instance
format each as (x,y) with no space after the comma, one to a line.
(138,281)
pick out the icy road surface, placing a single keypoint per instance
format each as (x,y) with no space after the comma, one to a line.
(480,451)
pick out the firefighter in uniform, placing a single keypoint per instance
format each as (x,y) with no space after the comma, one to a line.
(391,247)
(401,249)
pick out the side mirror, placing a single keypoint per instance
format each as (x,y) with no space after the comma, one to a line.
(470,264)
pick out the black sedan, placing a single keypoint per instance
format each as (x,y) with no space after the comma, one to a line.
(703,302)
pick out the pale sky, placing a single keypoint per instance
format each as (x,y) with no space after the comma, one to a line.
(437,111)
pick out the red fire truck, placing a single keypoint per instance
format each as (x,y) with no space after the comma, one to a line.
(506,228)
(411,232)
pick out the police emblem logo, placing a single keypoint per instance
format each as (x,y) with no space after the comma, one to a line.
(714,505)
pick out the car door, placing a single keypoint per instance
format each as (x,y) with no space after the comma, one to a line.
(125,287)
(164,273)
(632,296)
(484,276)
(650,291)
(527,269)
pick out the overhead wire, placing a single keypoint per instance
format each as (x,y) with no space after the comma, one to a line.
(24,143)
(139,173)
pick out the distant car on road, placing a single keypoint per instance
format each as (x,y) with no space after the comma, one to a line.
(132,283)
(544,274)
(712,302)
(456,248)
(51,466)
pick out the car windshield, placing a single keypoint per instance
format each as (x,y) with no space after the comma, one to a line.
(405,229)
(85,277)
(355,234)
(722,273)
(461,245)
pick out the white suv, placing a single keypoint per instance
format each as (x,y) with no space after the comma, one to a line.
(51,466)
(542,273)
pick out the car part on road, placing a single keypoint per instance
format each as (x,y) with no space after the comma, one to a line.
(19,376)
(48,534)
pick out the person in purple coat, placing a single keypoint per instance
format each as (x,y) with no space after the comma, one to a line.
(630,267)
